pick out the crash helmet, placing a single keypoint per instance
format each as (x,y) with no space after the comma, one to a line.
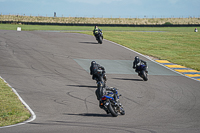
(96,27)
(93,62)
(137,59)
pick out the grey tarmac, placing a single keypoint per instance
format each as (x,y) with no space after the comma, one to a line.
(50,71)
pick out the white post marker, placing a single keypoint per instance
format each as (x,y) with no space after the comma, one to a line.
(19,29)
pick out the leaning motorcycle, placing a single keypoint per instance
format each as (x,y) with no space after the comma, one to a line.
(142,71)
(110,102)
(100,84)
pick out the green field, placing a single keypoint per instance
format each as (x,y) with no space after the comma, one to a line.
(180,45)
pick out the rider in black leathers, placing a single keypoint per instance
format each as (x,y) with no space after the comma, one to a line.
(93,70)
(137,62)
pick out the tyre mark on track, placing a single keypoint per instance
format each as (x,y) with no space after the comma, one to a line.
(131,100)
(86,102)
(69,94)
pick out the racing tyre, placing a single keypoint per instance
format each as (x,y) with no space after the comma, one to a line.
(144,75)
(100,40)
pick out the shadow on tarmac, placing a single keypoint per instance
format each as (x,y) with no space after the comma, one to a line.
(83,86)
(128,79)
(89,42)
(91,115)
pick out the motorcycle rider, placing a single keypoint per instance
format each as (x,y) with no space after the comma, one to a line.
(95,76)
(137,62)
(93,71)
(96,31)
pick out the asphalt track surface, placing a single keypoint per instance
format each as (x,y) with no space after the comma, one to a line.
(50,72)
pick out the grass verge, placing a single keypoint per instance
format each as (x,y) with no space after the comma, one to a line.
(12,111)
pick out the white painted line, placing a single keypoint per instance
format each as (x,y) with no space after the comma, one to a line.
(152,60)
(26,105)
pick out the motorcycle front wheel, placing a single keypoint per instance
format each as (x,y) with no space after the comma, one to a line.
(100,40)
(144,75)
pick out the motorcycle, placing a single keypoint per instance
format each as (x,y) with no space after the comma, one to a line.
(142,71)
(111,104)
(100,84)
(99,37)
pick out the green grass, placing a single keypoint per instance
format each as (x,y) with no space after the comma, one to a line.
(12,111)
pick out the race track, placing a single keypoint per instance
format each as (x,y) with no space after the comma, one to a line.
(50,71)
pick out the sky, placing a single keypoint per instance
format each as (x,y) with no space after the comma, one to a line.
(102,8)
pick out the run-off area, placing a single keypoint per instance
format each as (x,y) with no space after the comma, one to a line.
(124,67)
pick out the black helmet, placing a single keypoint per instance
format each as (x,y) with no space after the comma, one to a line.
(137,59)
(93,62)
